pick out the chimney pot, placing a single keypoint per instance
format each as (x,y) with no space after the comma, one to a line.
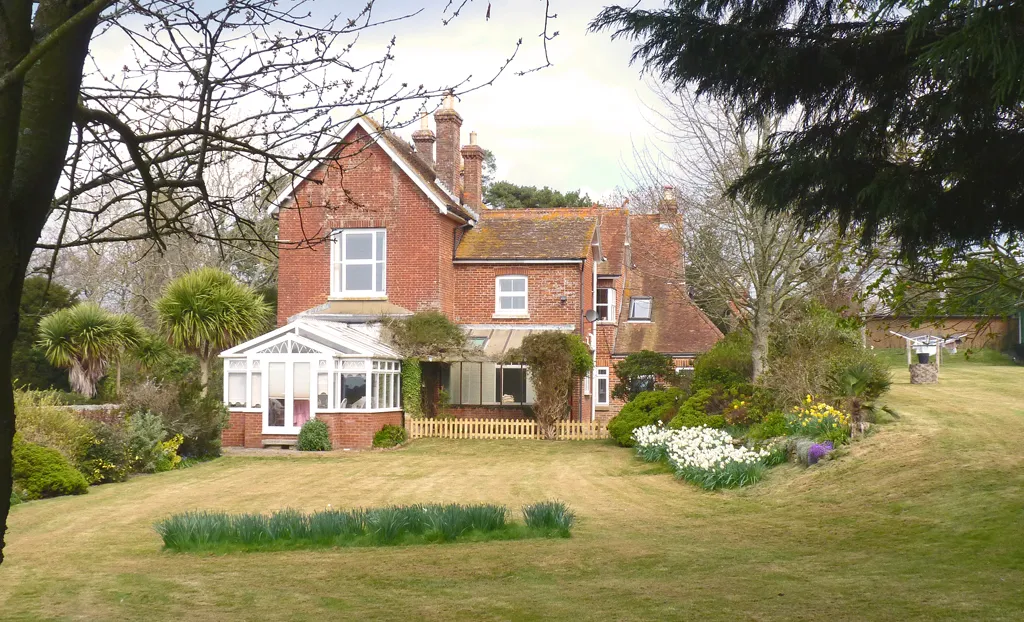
(472,138)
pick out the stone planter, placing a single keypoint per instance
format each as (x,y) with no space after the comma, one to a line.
(924,373)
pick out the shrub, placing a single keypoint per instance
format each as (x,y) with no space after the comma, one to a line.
(389,436)
(109,457)
(804,354)
(44,472)
(314,436)
(646,408)
(44,421)
(555,360)
(183,410)
(773,425)
(549,515)
(643,371)
(145,432)
(15,499)
(167,456)
(727,363)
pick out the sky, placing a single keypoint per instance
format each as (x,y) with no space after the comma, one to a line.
(569,126)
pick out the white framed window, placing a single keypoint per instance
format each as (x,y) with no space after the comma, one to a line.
(605,304)
(601,385)
(358,262)
(640,308)
(510,295)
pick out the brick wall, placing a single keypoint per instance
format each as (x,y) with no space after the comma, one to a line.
(356,430)
(364,188)
(347,430)
(546,284)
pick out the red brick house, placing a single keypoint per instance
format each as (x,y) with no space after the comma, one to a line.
(388,228)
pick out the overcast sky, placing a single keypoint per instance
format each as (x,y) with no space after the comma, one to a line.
(570,126)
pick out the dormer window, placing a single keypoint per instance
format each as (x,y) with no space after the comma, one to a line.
(358,263)
(510,295)
(640,308)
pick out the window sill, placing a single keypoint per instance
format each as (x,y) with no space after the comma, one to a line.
(357,297)
(510,316)
(606,322)
(639,322)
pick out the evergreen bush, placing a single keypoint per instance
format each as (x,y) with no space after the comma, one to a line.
(44,472)
(647,408)
(314,436)
(389,436)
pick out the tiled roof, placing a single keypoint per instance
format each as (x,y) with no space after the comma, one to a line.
(613,224)
(677,325)
(564,233)
(423,170)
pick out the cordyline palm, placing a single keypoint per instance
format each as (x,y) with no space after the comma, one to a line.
(84,339)
(206,311)
(859,386)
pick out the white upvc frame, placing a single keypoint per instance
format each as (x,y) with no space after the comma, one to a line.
(610,305)
(260,363)
(601,376)
(525,295)
(650,309)
(338,285)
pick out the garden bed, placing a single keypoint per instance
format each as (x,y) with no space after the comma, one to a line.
(385,526)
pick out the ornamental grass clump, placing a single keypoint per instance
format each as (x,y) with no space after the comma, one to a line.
(816,419)
(705,456)
(551,516)
(412,524)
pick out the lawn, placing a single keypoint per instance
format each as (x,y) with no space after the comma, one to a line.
(921,521)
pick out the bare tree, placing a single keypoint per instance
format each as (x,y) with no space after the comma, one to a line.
(738,256)
(118,153)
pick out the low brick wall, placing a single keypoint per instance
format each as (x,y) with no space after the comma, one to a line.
(105,413)
(347,430)
(356,430)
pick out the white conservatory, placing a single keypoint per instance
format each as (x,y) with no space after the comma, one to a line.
(311,367)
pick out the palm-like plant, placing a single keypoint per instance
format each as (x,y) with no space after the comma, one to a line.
(206,311)
(84,339)
(859,385)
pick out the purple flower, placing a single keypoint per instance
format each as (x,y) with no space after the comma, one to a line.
(818,451)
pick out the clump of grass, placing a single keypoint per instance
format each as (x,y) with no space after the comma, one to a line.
(389,525)
(552,516)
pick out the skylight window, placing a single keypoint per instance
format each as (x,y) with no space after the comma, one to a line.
(640,308)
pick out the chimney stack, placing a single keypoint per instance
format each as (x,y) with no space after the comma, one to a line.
(423,138)
(473,155)
(449,129)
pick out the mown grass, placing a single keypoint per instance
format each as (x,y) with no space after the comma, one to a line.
(919,521)
(291,529)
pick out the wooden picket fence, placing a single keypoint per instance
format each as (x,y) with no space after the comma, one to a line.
(501,428)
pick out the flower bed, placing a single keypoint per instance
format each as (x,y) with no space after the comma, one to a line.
(414,524)
(705,456)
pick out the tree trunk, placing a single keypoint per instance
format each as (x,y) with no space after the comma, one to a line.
(36,115)
(204,373)
(759,347)
(10,295)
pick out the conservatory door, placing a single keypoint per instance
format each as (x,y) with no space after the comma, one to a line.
(289,390)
